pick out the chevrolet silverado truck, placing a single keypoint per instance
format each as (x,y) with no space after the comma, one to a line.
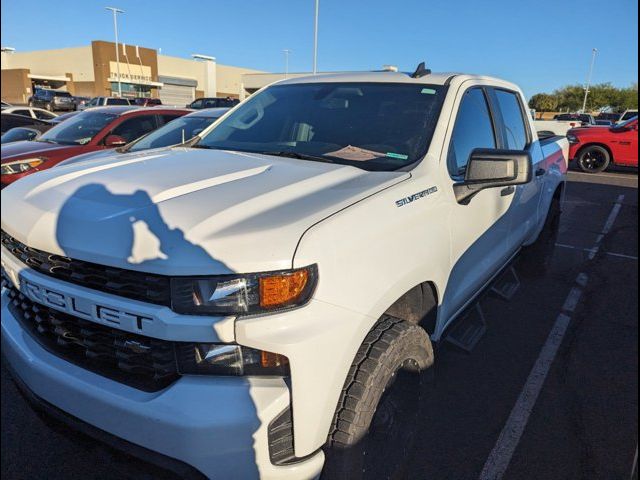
(247,304)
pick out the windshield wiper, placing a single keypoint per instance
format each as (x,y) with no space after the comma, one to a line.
(298,155)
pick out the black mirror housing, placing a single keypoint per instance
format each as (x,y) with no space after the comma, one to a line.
(491,168)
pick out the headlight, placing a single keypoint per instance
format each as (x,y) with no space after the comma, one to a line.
(21,166)
(229,359)
(243,294)
(572,138)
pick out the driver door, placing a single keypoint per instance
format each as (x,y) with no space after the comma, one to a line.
(627,145)
(479,230)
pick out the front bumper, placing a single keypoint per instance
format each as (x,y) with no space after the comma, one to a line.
(216,425)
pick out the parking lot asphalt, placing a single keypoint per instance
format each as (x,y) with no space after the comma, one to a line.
(581,425)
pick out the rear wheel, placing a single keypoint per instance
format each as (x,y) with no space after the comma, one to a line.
(594,159)
(375,422)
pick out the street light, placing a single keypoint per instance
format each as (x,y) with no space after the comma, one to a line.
(586,90)
(315,39)
(115,28)
(286,61)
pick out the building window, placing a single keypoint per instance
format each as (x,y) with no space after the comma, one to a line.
(131,90)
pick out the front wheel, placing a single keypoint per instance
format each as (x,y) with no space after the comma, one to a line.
(594,159)
(376,419)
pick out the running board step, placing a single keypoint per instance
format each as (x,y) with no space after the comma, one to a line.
(506,286)
(468,330)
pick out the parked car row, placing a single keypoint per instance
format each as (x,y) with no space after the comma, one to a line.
(95,133)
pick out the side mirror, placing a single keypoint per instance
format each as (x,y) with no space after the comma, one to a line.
(491,168)
(114,141)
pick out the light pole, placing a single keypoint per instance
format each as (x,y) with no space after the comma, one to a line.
(315,39)
(286,62)
(586,90)
(115,28)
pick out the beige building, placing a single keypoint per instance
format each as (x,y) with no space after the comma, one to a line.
(92,71)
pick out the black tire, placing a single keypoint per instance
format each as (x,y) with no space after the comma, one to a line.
(535,260)
(31,103)
(594,159)
(49,107)
(379,403)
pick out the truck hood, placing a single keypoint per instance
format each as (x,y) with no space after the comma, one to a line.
(13,151)
(183,211)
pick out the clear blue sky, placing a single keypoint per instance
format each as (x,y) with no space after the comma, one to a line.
(541,45)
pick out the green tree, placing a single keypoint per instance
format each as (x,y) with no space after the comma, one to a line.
(601,96)
(543,102)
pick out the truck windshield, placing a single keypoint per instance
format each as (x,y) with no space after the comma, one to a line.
(78,130)
(373,126)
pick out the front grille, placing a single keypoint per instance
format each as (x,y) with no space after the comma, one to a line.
(146,287)
(141,362)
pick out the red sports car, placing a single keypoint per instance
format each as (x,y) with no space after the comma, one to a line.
(94,129)
(595,148)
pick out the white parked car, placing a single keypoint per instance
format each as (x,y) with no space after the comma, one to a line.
(33,112)
(104,102)
(240,307)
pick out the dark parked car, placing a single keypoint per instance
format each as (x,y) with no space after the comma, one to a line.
(52,100)
(19,134)
(94,129)
(146,102)
(612,117)
(201,103)
(80,101)
(584,118)
(10,120)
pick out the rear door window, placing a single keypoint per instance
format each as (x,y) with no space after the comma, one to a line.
(43,115)
(24,113)
(515,132)
(117,101)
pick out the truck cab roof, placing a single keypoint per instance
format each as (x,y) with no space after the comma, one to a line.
(443,78)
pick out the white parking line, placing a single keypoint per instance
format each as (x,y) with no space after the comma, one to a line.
(607,226)
(590,250)
(500,457)
(509,438)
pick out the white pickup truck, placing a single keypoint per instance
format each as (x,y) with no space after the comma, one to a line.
(240,308)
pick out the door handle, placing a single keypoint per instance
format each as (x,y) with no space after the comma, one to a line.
(540,172)
(505,192)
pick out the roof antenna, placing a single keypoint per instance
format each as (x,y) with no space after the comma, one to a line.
(421,71)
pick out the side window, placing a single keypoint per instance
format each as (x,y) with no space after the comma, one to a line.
(167,118)
(473,129)
(515,130)
(24,113)
(135,127)
(197,104)
(44,115)
(213,103)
